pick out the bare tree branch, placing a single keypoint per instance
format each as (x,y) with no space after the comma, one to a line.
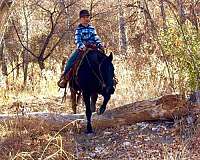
(17,66)
(39,5)
(56,44)
(48,37)
(53,26)
(27,49)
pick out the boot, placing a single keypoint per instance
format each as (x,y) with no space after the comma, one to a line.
(62,83)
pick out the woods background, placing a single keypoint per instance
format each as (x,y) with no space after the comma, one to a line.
(155,43)
(156,47)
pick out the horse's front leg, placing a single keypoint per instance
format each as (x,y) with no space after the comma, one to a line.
(103,106)
(86,98)
(93,102)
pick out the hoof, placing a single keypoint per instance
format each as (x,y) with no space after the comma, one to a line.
(101,110)
(89,129)
(89,132)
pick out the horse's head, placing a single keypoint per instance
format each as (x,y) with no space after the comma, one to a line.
(107,72)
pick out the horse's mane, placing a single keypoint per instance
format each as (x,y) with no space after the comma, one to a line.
(99,55)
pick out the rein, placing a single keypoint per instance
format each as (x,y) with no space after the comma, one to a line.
(101,80)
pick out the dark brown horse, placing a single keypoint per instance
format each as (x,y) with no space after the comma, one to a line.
(95,75)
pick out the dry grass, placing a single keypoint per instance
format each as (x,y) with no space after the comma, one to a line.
(36,139)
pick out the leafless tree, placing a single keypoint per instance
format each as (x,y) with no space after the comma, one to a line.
(54,17)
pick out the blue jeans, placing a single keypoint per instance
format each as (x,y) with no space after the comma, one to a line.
(72,59)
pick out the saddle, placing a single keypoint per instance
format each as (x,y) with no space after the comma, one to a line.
(73,71)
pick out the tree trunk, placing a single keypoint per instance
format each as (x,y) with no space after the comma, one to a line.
(193,17)
(26,54)
(167,107)
(181,11)
(3,60)
(122,29)
(4,16)
(41,64)
(17,70)
(25,66)
(13,73)
(162,10)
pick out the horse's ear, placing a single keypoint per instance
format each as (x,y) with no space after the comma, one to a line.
(110,57)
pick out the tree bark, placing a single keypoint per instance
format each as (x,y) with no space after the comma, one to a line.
(3,60)
(181,11)
(162,10)
(122,29)
(193,16)
(4,16)
(26,56)
(25,66)
(17,70)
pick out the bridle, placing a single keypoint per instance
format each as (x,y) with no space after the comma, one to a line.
(99,77)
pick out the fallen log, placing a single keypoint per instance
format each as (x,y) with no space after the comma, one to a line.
(164,108)
(167,107)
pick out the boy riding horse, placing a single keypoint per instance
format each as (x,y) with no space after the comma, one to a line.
(85,35)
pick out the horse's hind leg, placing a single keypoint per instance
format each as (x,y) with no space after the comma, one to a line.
(93,102)
(78,98)
(73,99)
(86,98)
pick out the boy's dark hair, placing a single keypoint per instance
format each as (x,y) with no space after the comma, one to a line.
(84,12)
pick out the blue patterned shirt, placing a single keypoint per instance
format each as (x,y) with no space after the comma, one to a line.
(84,35)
